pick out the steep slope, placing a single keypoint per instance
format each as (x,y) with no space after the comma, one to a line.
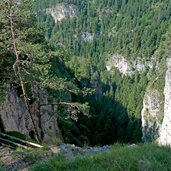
(165,132)
(116,48)
(155,125)
(15,117)
(32,75)
(113,51)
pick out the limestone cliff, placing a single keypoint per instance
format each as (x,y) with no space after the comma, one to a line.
(129,67)
(156,118)
(62,11)
(86,37)
(119,62)
(13,112)
(165,133)
(151,115)
(14,115)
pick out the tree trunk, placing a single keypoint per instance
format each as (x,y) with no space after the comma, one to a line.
(18,69)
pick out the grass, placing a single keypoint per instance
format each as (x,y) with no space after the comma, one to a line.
(17,134)
(147,157)
(2,169)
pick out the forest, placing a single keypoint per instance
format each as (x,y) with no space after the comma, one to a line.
(104,107)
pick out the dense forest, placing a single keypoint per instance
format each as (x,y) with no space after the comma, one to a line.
(53,56)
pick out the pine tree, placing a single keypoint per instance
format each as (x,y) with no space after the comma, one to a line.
(17,22)
(29,61)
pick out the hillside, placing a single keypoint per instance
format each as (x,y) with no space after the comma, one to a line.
(118,48)
(87,72)
(89,80)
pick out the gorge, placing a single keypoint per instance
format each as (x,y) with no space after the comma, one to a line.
(110,57)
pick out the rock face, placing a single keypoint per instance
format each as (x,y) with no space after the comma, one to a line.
(157,123)
(128,68)
(86,37)
(71,151)
(151,115)
(49,124)
(165,133)
(119,62)
(61,11)
(15,117)
(138,66)
(13,112)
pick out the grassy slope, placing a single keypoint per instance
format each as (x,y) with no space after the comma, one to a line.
(120,158)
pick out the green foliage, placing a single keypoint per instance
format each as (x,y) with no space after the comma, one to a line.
(132,158)
(40,65)
(1,169)
(31,155)
(39,62)
(133,29)
(2,94)
(56,141)
(17,135)
(57,59)
(128,27)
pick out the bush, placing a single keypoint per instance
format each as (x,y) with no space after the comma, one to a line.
(17,135)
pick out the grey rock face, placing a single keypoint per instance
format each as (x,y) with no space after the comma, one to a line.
(13,112)
(155,122)
(61,11)
(15,117)
(128,68)
(86,37)
(71,151)
(49,124)
(165,133)
(151,115)
(138,66)
(119,62)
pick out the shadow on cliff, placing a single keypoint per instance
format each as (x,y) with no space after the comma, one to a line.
(1,125)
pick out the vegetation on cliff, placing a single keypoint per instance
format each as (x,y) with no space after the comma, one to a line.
(58,59)
(133,29)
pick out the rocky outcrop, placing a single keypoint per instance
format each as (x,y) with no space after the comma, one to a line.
(13,112)
(49,124)
(165,133)
(151,115)
(156,119)
(128,68)
(119,62)
(86,37)
(71,151)
(62,11)
(15,117)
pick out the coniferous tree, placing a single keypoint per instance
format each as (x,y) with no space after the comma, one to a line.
(29,61)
